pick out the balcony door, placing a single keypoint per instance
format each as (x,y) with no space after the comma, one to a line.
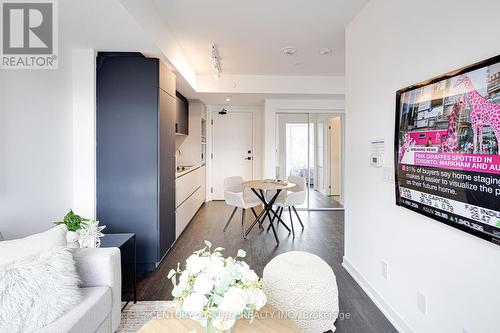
(309,145)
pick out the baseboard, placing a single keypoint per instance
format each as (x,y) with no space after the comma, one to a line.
(392,315)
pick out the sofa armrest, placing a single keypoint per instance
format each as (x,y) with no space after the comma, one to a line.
(102,267)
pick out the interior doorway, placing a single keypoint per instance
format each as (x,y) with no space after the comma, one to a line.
(309,145)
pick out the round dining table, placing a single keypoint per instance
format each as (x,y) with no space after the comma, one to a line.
(259,188)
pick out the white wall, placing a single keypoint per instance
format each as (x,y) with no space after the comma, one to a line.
(36,117)
(35,147)
(84,132)
(392,44)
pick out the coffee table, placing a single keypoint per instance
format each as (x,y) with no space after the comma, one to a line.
(267,320)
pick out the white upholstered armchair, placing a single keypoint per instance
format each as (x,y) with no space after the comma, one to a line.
(296,196)
(236,195)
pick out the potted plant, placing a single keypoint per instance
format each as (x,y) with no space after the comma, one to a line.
(73,223)
(216,291)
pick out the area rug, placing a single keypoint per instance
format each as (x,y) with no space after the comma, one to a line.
(134,316)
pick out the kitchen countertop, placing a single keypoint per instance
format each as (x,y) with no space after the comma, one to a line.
(185,172)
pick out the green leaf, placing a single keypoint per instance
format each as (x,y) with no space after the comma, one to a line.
(241,254)
(219,249)
(208,244)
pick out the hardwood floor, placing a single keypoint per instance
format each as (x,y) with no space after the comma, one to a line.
(323,236)
(320,200)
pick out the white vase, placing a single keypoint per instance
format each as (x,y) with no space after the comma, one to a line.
(72,236)
(89,242)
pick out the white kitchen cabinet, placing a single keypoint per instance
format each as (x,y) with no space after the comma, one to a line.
(190,195)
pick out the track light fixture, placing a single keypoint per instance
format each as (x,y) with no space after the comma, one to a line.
(216,61)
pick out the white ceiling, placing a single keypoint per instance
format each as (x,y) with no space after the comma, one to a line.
(257,99)
(250,34)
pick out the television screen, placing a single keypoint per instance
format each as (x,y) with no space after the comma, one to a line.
(447,160)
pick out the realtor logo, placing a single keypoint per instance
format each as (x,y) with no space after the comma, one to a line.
(29,34)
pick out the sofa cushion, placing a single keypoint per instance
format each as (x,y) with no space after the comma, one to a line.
(36,290)
(11,250)
(87,316)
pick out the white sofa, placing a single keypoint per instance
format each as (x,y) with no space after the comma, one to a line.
(100,309)
(100,273)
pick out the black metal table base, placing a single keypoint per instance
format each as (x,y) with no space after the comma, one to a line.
(268,212)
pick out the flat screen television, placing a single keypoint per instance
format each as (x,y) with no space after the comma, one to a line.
(447,156)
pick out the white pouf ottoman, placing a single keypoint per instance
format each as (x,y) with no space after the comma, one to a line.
(303,286)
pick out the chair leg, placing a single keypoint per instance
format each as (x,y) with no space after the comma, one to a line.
(270,222)
(279,215)
(243,214)
(291,221)
(298,217)
(230,218)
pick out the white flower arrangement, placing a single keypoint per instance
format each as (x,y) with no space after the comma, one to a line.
(216,291)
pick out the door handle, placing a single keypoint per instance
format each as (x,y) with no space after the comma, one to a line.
(247,158)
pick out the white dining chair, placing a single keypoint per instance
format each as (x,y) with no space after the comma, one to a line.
(295,196)
(236,195)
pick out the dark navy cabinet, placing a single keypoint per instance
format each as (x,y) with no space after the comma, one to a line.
(135,153)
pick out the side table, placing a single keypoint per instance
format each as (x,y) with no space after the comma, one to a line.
(128,248)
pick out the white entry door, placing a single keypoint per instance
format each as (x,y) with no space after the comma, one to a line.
(232,149)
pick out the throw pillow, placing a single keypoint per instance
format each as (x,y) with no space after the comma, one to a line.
(36,290)
(11,250)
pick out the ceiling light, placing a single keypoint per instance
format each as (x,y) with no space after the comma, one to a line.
(325,51)
(216,62)
(228,99)
(289,50)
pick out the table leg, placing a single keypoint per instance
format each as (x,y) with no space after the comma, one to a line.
(257,219)
(268,207)
(135,270)
(280,220)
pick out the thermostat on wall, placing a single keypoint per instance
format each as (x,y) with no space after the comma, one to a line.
(378,151)
(376,161)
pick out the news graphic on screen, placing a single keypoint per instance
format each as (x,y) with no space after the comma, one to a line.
(447,149)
